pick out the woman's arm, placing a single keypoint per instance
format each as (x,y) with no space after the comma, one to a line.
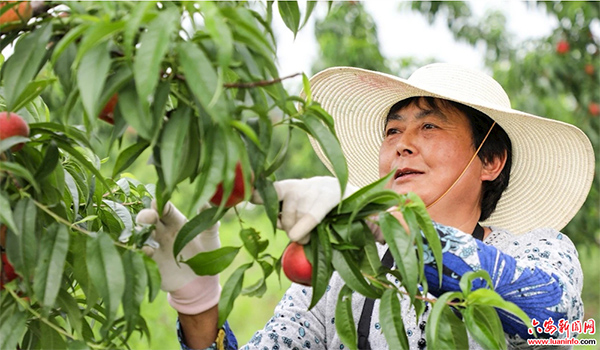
(191,324)
(538,271)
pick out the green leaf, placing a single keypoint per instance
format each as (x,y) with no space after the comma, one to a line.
(213,262)
(402,249)
(359,198)
(390,318)
(69,38)
(52,255)
(252,242)
(128,156)
(49,162)
(8,142)
(24,64)
(372,255)
(96,35)
(77,345)
(67,303)
(171,144)
(306,88)
(19,171)
(22,245)
(154,278)
(344,320)
(81,159)
(290,13)
(269,197)
(321,263)
(484,326)
(195,226)
(136,112)
(51,338)
(6,214)
(466,281)
(246,31)
(31,92)
(133,24)
(105,265)
(73,191)
(331,147)
(12,330)
(444,329)
(91,76)
(136,281)
(217,28)
(310,6)
(489,297)
(433,239)
(56,129)
(121,211)
(202,80)
(231,290)
(152,47)
(247,131)
(344,263)
(259,288)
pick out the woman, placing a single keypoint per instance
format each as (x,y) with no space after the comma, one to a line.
(498,183)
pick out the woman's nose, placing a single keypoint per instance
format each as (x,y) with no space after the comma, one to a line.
(405,145)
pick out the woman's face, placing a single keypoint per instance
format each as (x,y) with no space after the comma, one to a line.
(428,149)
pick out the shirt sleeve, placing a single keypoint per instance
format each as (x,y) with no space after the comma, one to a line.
(538,271)
(293,326)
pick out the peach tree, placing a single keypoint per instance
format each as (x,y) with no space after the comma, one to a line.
(197,85)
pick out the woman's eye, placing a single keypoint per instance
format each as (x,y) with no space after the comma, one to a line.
(391,131)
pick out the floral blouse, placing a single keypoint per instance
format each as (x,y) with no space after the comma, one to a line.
(538,271)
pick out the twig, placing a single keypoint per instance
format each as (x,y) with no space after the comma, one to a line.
(388,286)
(250,84)
(258,83)
(67,223)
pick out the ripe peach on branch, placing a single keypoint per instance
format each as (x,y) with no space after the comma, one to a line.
(16,16)
(12,124)
(237,193)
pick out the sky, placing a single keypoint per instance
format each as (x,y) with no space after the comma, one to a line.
(523,20)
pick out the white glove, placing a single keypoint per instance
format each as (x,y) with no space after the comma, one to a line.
(188,293)
(305,202)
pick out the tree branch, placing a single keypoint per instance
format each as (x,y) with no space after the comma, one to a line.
(258,83)
(249,84)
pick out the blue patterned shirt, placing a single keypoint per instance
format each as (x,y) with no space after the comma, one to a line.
(539,271)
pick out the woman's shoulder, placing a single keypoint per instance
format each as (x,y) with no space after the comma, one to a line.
(540,241)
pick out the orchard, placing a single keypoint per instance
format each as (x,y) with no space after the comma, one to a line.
(191,91)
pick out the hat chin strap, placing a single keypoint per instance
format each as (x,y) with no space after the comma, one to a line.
(465,169)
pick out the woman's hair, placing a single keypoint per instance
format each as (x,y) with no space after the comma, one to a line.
(497,144)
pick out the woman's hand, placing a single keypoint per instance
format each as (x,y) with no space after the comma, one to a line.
(305,202)
(188,293)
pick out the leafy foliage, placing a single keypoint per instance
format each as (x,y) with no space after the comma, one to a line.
(197,85)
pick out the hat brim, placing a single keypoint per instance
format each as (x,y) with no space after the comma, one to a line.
(552,166)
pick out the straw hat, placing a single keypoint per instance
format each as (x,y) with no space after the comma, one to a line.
(553,162)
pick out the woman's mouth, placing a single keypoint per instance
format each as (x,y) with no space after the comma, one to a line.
(406,174)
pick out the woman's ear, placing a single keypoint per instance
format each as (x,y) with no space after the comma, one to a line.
(491,169)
